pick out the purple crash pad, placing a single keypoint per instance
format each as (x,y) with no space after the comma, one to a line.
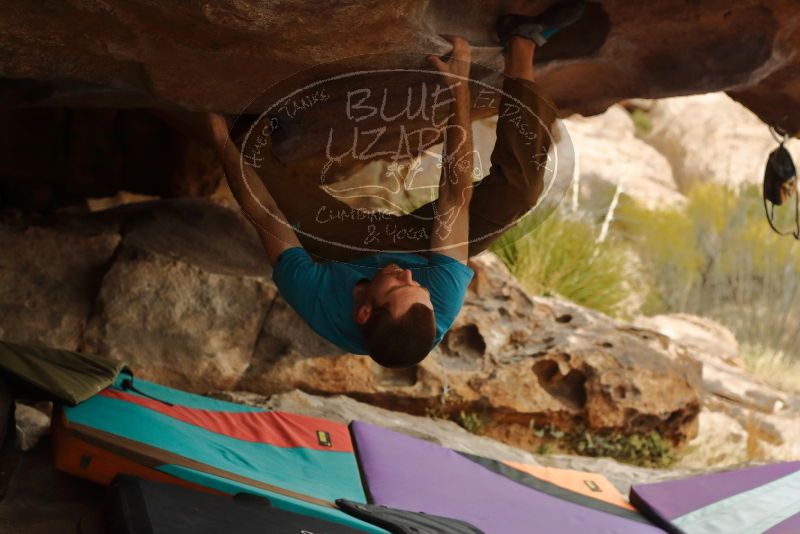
(674,498)
(415,475)
(789,526)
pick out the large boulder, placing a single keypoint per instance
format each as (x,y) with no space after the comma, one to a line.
(185,296)
(224,58)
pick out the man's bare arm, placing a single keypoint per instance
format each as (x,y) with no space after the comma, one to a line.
(450,235)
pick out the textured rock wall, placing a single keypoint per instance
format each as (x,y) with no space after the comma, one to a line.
(220,55)
(181,291)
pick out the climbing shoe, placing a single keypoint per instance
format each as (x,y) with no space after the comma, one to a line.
(539,28)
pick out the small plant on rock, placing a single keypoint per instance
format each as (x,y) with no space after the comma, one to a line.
(470,421)
(648,450)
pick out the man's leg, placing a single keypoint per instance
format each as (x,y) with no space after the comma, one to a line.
(519,159)
(512,187)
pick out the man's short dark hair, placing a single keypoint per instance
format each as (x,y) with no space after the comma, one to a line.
(401,342)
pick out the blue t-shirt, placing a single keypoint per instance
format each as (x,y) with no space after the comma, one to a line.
(322,292)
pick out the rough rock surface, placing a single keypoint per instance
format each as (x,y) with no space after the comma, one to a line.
(221,55)
(185,296)
(78,141)
(187,300)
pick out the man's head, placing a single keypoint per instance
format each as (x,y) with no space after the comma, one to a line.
(396,318)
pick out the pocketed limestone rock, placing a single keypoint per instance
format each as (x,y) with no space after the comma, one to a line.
(187,300)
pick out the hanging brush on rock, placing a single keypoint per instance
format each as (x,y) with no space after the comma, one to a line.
(780,183)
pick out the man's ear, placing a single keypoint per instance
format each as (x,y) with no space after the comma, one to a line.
(363,313)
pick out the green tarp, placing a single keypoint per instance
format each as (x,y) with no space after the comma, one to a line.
(62,375)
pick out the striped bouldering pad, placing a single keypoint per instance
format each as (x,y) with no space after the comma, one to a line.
(751,500)
(302,464)
(415,475)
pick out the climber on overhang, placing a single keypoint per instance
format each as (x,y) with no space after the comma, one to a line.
(395,306)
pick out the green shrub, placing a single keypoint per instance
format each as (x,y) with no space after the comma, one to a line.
(642,121)
(560,257)
(718,258)
(648,450)
(470,421)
